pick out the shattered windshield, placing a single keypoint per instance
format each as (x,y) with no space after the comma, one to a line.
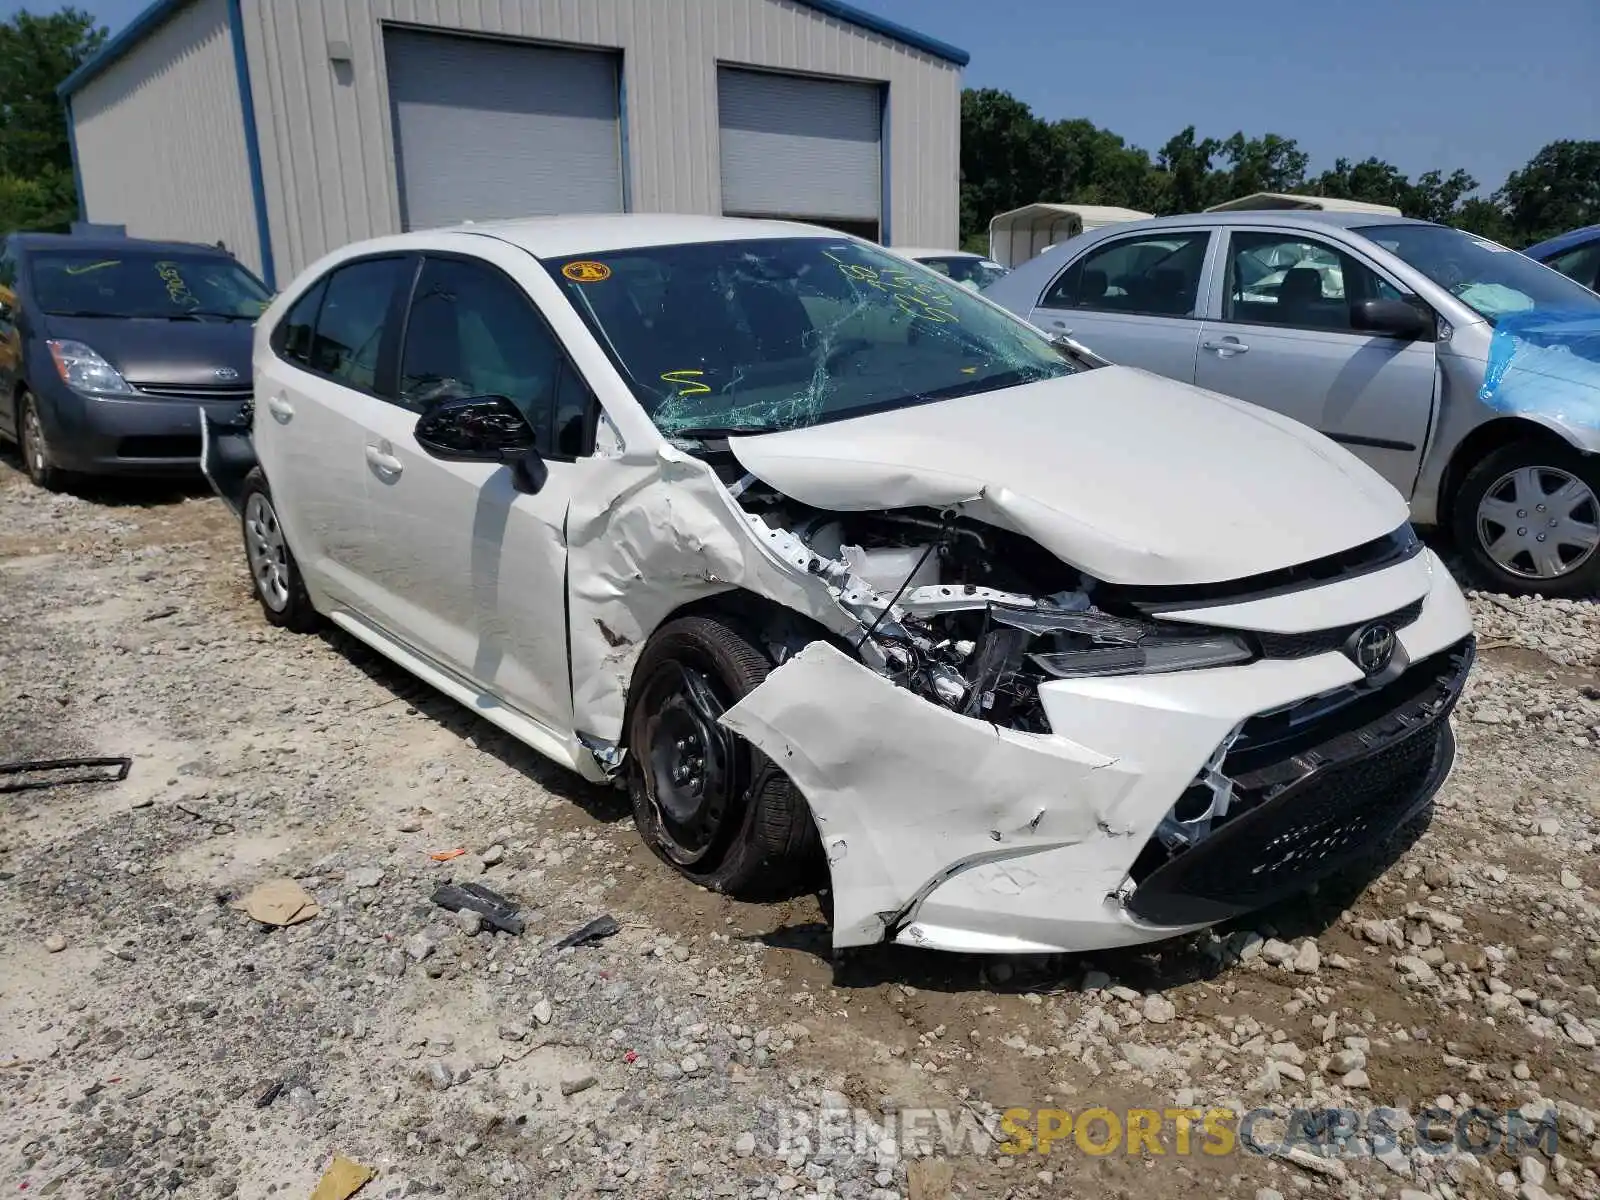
(761,335)
(1487,277)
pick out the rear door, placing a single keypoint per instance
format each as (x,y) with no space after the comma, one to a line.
(1134,300)
(1280,336)
(314,395)
(467,569)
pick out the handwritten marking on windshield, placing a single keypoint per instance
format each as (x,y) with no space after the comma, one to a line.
(84,270)
(687,382)
(914,297)
(177,290)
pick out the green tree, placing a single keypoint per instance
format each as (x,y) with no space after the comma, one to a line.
(1558,190)
(1265,164)
(1184,181)
(36,54)
(1006,155)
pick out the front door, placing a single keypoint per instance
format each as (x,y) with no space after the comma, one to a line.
(1133,300)
(1283,339)
(472,572)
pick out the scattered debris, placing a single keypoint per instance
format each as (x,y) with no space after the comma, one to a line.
(270,1093)
(600,927)
(101,770)
(581,1083)
(447,855)
(343,1178)
(497,911)
(279,902)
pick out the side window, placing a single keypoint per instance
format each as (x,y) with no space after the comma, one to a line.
(291,340)
(350,322)
(1289,279)
(1582,264)
(1155,274)
(8,269)
(473,332)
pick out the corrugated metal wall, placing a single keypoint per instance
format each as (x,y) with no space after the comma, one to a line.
(160,137)
(328,154)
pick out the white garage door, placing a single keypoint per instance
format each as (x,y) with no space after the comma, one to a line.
(488,129)
(802,148)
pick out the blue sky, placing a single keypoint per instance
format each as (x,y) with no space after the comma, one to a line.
(1480,84)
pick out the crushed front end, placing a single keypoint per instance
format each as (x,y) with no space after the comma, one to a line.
(1013,757)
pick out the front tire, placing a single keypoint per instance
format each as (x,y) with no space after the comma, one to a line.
(1527,520)
(34,446)
(274,574)
(704,799)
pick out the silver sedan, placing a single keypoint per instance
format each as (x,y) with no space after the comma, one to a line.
(1467,374)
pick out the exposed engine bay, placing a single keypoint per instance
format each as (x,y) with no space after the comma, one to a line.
(970,616)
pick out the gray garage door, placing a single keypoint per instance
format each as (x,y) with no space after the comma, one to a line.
(489,129)
(803,148)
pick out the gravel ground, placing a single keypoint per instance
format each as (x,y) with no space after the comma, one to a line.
(154,1040)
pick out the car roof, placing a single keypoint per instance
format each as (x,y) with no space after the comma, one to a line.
(108,244)
(558,237)
(1564,241)
(1288,218)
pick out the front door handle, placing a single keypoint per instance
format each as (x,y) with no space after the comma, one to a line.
(1225,346)
(280,408)
(386,466)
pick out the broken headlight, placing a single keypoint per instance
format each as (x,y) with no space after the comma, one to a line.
(1095,643)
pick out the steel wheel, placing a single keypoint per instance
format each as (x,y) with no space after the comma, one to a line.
(266,551)
(692,762)
(1539,522)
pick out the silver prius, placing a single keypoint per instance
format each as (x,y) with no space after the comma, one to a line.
(1466,374)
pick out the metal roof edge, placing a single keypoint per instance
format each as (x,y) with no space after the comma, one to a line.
(889,29)
(132,34)
(159,10)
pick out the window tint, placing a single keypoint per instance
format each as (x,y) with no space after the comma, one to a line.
(1582,264)
(350,323)
(473,332)
(292,338)
(8,270)
(1288,279)
(1156,274)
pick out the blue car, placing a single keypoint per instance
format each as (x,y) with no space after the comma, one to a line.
(110,347)
(1576,255)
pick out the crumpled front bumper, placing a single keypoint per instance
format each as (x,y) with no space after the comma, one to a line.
(951,833)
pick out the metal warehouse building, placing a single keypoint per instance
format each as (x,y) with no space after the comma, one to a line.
(286,128)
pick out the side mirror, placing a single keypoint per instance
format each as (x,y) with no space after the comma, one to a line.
(475,429)
(1391,318)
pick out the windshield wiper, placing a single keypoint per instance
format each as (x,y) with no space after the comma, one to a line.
(702,433)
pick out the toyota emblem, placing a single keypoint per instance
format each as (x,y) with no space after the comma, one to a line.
(1372,647)
(226,374)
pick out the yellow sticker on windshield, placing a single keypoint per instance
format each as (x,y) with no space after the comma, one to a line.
(586,272)
(110,262)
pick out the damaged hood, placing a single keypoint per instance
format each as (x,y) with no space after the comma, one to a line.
(1128,476)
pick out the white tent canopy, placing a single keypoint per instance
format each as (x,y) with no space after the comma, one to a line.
(1265,200)
(1016,236)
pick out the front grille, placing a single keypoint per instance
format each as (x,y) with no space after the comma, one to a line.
(1321,641)
(1304,807)
(174,445)
(196,391)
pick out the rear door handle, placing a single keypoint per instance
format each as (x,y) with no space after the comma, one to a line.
(1226,346)
(280,408)
(387,466)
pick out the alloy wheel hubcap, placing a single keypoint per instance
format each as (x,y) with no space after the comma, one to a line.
(33,440)
(1539,522)
(264,547)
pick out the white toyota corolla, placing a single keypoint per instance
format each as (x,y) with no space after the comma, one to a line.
(832,560)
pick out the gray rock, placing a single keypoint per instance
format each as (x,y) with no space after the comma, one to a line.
(493,854)
(439,1075)
(1146,1058)
(744,1145)
(572,1085)
(1307,958)
(468,921)
(54,943)
(1344,1061)
(420,947)
(542,1012)
(394,963)
(364,877)
(513,1032)
(1278,953)
(1158,1010)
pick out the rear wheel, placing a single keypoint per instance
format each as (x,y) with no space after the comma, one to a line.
(34,446)
(704,799)
(274,574)
(1527,518)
